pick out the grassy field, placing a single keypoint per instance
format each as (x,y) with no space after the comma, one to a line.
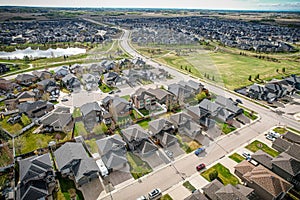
(257,145)
(229,69)
(223,174)
(138,167)
(237,157)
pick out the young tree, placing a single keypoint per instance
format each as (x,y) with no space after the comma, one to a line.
(250,78)
(213,175)
(283,70)
(201,96)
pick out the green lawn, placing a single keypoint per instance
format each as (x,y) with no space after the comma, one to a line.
(280,130)
(229,69)
(66,186)
(6,156)
(29,141)
(189,186)
(135,115)
(79,129)
(126,97)
(257,145)
(226,128)
(166,197)
(138,167)
(144,111)
(144,123)
(100,129)
(104,88)
(237,157)
(12,128)
(223,174)
(92,145)
(249,115)
(76,113)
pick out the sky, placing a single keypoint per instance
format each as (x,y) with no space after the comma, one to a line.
(195,4)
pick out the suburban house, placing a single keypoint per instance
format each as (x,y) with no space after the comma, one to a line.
(72,160)
(112,150)
(290,148)
(119,108)
(71,82)
(276,89)
(35,109)
(57,121)
(76,69)
(292,137)
(294,81)
(26,96)
(137,140)
(26,79)
(6,85)
(113,79)
(185,90)
(108,64)
(96,69)
(61,72)
(48,86)
(91,115)
(196,195)
(258,92)
(37,178)
(263,158)
(200,116)
(90,81)
(162,96)
(42,75)
(186,125)
(138,62)
(142,99)
(217,191)
(266,184)
(162,131)
(229,105)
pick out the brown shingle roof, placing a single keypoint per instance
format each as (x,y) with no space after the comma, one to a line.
(244,167)
(287,163)
(263,158)
(293,137)
(267,180)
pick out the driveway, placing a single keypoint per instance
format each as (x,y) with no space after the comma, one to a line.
(177,151)
(119,176)
(154,160)
(92,189)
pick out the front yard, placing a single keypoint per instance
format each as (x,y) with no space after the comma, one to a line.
(257,145)
(280,130)
(188,147)
(250,115)
(189,186)
(221,173)
(138,167)
(105,88)
(237,157)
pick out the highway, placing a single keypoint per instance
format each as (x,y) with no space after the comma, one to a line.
(169,175)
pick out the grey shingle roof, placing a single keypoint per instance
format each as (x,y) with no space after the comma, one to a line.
(89,107)
(86,166)
(230,192)
(57,119)
(26,94)
(34,166)
(134,132)
(158,93)
(211,189)
(69,152)
(158,125)
(263,158)
(110,143)
(114,159)
(287,163)
(210,106)
(29,105)
(196,195)
(292,137)
(228,104)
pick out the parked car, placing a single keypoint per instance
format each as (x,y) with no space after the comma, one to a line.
(169,153)
(201,166)
(274,134)
(199,150)
(64,100)
(247,155)
(270,137)
(154,194)
(111,92)
(239,101)
(142,198)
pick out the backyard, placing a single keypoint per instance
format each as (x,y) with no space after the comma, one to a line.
(14,128)
(257,145)
(67,190)
(138,167)
(79,129)
(76,113)
(144,123)
(222,173)
(6,156)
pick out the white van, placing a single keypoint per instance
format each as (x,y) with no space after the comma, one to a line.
(274,134)
(103,169)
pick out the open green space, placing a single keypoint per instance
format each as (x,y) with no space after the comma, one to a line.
(138,167)
(237,157)
(79,129)
(257,145)
(225,68)
(189,186)
(222,173)
(67,190)
(144,123)
(30,141)
(280,130)
(104,88)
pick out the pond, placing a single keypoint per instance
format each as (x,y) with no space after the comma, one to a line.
(37,53)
